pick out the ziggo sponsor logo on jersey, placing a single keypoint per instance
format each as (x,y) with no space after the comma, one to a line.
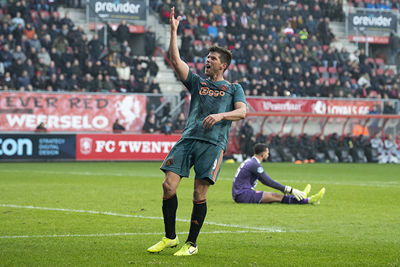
(210,92)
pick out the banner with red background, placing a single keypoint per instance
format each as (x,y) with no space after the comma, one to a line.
(124,146)
(314,106)
(21,111)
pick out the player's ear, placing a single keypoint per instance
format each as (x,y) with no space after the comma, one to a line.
(224,66)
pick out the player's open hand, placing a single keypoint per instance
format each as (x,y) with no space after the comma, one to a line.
(299,195)
(174,21)
(211,119)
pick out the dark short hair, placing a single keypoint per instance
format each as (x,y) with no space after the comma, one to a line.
(260,148)
(225,54)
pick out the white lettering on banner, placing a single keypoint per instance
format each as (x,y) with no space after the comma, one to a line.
(109,146)
(57,122)
(134,146)
(321,107)
(117,7)
(372,21)
(348,110)
(10,147)
(287,106)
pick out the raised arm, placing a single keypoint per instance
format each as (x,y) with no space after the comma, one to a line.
(181,68)
(238,113)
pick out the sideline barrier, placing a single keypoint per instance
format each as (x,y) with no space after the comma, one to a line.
(85,147)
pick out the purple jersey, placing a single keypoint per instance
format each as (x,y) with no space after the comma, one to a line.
(247,176)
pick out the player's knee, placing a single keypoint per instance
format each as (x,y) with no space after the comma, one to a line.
(168,189)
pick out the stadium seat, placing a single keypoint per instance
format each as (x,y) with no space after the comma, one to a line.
(332,80)
(390,72)
(333,72)
(191,66)
(197,42)
(242,66)
(323,72)
(379,61)
(380,71)
(200,66)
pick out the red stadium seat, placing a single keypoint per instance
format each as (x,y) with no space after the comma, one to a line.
(332,80)
(197,42)
(379,61)
(390,72)
(200,66)
(242,66)
(380,71)
(333,72)
(192,67)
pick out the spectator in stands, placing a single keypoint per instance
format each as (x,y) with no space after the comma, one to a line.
(179,123)
(24,80)
(124,71)
(247,139)
(6,82)
(95,48)
(167,127)
(150,39)
(292,143)
(117,126)
(122,32)
(150,125)
(41,127)
(388,108)
(262,137)
(391,150)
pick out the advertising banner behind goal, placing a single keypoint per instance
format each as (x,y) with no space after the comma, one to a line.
(70,112)
(313,106)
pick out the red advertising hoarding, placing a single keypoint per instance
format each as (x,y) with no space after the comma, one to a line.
(20,111)
(124,146)
(314,106)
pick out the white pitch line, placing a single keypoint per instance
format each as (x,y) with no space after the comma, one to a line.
(352,183)
(267,229)
(119,234)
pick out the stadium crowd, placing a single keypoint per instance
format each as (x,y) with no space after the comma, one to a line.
(42,50)
(281,48)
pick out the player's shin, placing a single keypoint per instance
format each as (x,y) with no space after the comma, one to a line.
(289,199)
(169,208)
(198,215)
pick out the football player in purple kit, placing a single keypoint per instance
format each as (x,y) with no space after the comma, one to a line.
(251,171)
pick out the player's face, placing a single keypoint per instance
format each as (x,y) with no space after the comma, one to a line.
(266,154)
(213,64)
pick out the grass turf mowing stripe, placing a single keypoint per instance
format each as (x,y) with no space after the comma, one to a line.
(120,234)
(330,182)
(266,229)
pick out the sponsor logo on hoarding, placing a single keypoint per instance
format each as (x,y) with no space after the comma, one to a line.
(371,20)
(20,147)
(322,107)
(130,109)
(86,145)
(123,146)
(284,106)
(116,6)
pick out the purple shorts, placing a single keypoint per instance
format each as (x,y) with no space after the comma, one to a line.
(249,196)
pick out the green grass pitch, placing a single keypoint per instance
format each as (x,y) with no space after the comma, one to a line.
(108,213)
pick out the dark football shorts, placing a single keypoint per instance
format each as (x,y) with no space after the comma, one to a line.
(204,156)
(249,196)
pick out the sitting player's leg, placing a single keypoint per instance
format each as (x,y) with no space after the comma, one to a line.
(269,197)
